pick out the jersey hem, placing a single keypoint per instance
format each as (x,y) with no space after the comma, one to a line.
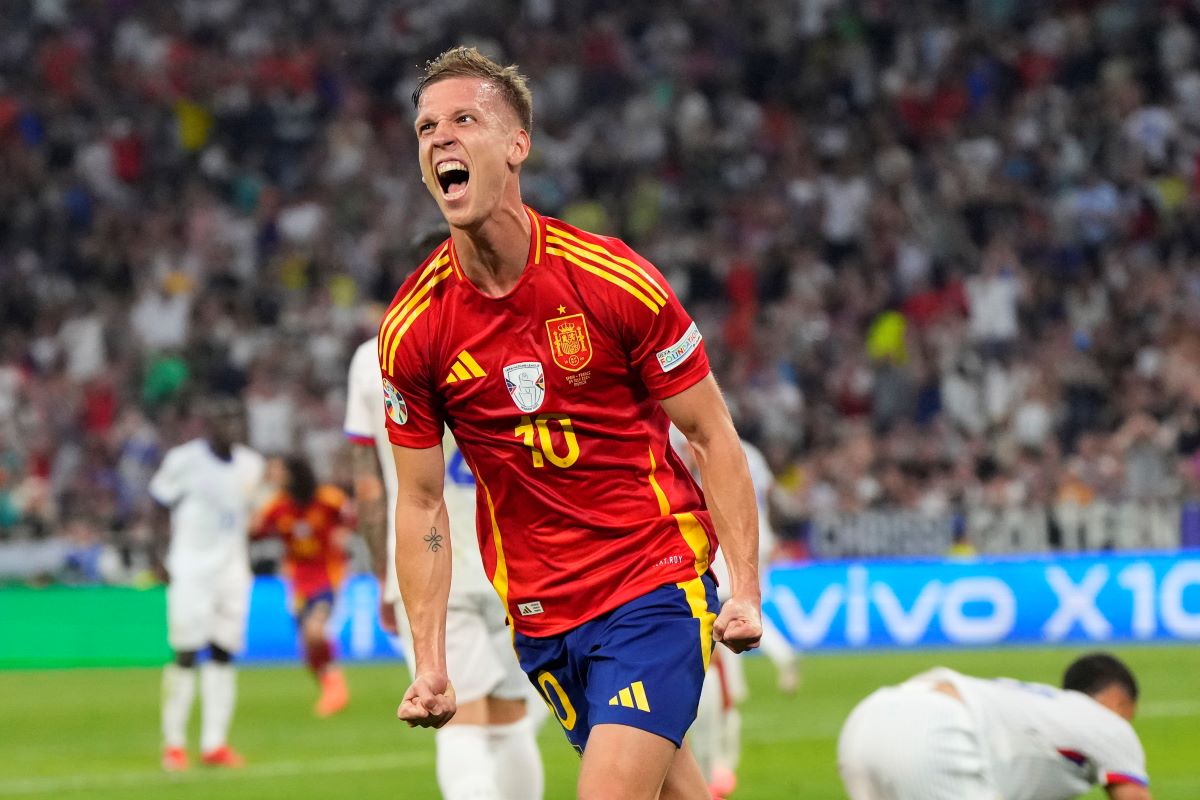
(686,382)
(615,601)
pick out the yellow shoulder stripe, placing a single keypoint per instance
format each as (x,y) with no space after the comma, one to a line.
(398,309)
(608,276)
(403,321)
(612,257)
(418,311)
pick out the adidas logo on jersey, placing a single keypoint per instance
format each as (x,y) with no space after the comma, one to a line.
(465,368)
(632,696)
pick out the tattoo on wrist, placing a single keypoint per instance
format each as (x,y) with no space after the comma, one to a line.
(433,540)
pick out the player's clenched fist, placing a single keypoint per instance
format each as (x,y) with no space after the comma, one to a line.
(739,625)
(429,701)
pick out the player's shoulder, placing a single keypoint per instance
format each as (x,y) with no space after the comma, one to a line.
(424,280)
(421,291)
(606,265)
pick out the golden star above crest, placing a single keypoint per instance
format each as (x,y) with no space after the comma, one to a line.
(562,309)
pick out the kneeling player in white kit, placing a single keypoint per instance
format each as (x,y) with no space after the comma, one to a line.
(946,736)
(489,750)
(210,485)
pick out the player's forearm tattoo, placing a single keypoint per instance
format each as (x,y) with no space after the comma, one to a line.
(433,540)
(372,513)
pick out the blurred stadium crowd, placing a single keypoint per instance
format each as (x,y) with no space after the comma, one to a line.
(942,253)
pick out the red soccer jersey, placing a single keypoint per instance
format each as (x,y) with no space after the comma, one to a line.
(313,557)
(552,394)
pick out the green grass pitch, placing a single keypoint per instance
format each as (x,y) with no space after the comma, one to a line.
(94,733)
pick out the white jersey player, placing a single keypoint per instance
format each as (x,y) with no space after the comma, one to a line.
(716,733)
(489,750)
(947,736)
(210,486)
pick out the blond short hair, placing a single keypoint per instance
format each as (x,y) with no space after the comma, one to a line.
(467,62)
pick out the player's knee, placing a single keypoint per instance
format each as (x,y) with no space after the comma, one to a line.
(185,658)
(219,654)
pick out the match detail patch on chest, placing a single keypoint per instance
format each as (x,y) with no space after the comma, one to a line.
(526,384)
(569,342)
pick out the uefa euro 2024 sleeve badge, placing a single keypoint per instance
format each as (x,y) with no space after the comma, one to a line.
(397,409)
(526,384)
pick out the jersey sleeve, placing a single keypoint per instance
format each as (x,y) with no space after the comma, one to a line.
(414,413)
(1117,753)
(364,386)
(665,346)
(167,486)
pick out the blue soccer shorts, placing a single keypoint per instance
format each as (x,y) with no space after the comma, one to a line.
(641,664)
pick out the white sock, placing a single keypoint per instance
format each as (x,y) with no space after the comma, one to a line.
(731,740)
(518,762)
(178,691)
(218,694)
(705,735)
(464,763)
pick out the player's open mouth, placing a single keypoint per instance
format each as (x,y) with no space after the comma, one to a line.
(453,176)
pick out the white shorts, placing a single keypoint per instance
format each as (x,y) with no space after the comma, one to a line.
(204,609)
(912,742)
(480,659)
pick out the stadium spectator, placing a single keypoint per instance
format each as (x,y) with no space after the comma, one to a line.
(191,191)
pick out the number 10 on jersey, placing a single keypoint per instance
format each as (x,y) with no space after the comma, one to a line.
(535,431)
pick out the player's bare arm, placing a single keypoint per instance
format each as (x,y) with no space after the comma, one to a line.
(370,503)
(701,415)
(1128,791)
(423,566)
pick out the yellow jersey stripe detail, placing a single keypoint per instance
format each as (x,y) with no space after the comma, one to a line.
(613,702)
(454,262)
(500,577)
(664,507)
(438,262)
(451,379)
(608,276)
(412,317)
(471,364)
(638,277)
(537,235)
(639,696)
(460,371)
(413,300)
(626,697)
(697,600)
(418,311)
(697,539)
(598,248)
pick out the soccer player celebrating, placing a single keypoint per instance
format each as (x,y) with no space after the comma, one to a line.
(558,358)
(489,750)
(210,486)
(947,736)
(311,520)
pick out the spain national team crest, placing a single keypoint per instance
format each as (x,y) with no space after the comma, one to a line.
(569,343)
(397,409)
(526,384)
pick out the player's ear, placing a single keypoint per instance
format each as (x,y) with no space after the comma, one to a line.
(518,150)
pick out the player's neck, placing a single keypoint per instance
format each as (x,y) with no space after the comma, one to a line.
(493,255)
